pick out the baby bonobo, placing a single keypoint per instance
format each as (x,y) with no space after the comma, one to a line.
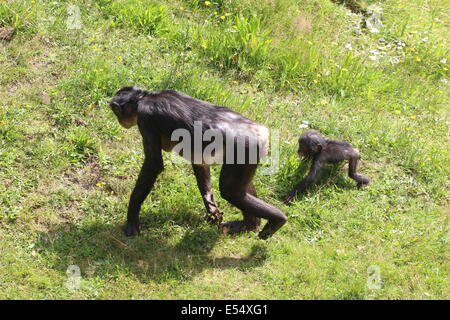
(312,145)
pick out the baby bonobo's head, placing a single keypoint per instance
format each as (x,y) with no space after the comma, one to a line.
(310,144)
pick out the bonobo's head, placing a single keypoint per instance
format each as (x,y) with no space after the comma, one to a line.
(124,105)
(310,144)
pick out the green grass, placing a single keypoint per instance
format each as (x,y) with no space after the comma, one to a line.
(67,168)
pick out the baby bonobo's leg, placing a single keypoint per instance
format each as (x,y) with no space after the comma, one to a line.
(362,180)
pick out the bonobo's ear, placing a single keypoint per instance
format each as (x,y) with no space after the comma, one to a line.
(316,148)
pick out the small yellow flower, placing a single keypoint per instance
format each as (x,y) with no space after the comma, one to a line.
(179,74)
(119,58)
(323,102)
(413,117)
(228,14)
(408,128)
(181,8)
(397,112)
(344,69)
(215,12)
(315,81)
(207,3)
(222,17)
(418,59)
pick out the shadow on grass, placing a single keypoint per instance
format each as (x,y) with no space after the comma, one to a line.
(101,250)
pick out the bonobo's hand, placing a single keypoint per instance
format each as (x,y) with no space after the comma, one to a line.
(132,229)
(215,217)
(290,197)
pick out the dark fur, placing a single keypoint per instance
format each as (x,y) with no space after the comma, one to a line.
(312,145)
(157,115)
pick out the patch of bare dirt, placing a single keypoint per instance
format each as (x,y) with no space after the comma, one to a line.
(6,33)
(353,5)
(302,24)
(88,176)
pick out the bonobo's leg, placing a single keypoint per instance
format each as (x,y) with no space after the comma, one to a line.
(152,167)
(314,171)
(250,222)
(235,183)
(203,176)
(362,180)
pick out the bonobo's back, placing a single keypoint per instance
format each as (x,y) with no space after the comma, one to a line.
(184,108)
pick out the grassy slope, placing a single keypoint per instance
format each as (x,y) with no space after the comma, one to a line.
(67,168)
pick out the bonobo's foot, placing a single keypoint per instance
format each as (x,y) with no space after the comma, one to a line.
(215,217)
(237,226)
(364,182)
(131,229)
(270,228)
(232,227)
(290,197)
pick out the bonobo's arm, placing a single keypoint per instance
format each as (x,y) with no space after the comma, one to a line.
(316,166)
(203,176)
(152,167)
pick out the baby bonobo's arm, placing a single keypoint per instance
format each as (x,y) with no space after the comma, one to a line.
(314,171)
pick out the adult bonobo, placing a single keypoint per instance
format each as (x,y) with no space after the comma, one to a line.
(163,117)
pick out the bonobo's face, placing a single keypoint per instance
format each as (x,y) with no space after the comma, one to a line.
(310,144)
(124,105)
(126,114)
(304,150)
